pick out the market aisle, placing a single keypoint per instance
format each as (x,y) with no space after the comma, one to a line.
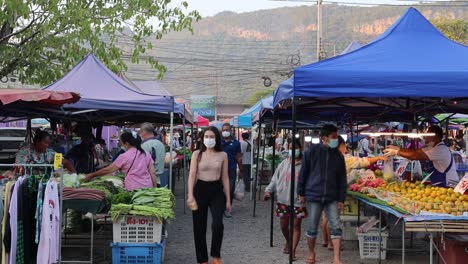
(246,239)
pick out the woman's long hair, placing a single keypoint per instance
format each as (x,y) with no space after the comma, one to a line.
(218,147)
(127,137)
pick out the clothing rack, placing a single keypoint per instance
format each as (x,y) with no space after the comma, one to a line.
(60,169)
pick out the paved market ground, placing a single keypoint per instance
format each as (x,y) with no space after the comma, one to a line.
(246,240)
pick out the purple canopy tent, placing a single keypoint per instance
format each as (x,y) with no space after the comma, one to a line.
(101,89)
(106,97)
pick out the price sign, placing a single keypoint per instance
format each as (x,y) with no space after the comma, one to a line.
(401,168)
(462,186)
(58,157)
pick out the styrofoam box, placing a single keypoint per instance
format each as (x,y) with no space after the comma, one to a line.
(369,244)
(137,229)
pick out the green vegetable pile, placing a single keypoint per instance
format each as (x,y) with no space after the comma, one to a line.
(123,197)
(132,209)
(106,186)
(157,197)
(155,202)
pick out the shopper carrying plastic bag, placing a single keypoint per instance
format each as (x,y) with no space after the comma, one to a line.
(239,191)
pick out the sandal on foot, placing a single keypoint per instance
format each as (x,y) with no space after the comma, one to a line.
(310,261)
(286,251)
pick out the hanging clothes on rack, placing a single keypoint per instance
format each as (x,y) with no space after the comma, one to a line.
(1,218)
(39,206)
(48,250)
(26,248)
(13,210)
(6,234)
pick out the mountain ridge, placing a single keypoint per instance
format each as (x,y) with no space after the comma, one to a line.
(230,54)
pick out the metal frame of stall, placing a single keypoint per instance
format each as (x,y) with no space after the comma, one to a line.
(425,226)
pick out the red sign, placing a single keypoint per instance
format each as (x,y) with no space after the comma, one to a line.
(137,221)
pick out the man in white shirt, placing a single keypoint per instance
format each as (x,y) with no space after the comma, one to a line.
(246,149)
(279,142)
(444,173)
(364,149)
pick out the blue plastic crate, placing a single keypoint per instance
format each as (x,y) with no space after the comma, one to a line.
(132,253)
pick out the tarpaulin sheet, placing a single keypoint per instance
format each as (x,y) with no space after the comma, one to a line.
(8,96)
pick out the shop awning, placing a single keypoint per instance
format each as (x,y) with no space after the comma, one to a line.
(8,96)
(203,122)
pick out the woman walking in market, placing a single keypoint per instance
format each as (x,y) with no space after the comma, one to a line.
(208,187)
(280,184)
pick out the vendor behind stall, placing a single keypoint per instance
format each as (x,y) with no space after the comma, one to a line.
(84,154)
(38,153)
(353,162)
(135,163)
(444,171)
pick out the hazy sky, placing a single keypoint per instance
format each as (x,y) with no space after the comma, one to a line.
(212,7)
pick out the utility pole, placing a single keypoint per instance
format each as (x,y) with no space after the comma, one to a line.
(216,97)
(319,30)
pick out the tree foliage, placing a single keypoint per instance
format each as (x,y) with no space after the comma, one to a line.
(42,39)
(258,95)
(454,29)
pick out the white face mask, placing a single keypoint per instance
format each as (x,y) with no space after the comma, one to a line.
(296,152)
(430,144)
(209,142)
(226,134)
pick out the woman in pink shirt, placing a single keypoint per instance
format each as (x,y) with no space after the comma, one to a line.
(135,163)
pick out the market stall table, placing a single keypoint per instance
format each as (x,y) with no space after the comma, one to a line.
(84,206)
(420,223)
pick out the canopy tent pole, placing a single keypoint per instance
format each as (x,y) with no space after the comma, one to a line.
(259,137)
(171,138)
(273,169)
(293,181)
(185,162)
(251,162)
(352,135)
(263,158)
(99,131)
(447,131)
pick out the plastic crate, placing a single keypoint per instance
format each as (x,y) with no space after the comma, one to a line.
(349,231)
(137,229)
(369,244)
(147,253)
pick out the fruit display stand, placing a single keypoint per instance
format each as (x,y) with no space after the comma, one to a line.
(432,224)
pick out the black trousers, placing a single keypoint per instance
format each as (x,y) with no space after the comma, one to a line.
(208,195)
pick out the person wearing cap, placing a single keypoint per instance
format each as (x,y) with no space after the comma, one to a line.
(443,172)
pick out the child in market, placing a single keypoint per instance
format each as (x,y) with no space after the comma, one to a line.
(280,184)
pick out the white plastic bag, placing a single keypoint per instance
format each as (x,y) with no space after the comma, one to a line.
(388,170)
(417,170)
(239,192)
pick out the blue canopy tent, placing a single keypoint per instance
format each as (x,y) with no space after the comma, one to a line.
(246,118)
(400,65)
(412,68)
